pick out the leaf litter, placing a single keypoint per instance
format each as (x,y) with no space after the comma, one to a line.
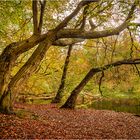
(50,122)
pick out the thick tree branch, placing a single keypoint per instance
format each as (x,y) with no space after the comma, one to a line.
(66,42)
(35,19)
(75,33)
(34,40)
(70,33)
(25,45)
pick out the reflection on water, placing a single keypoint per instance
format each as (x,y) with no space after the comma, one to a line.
(126,105)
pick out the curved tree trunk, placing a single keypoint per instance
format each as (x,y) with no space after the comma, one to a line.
(71,101)
(60,91)
(9,56)
(24,73)
(6,62)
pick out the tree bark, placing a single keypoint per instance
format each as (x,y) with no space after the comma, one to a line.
(8,58)
(71,101)
(24,73)
(5,106)
(6,62)
(60,91)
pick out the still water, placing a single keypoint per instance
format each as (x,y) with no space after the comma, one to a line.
(130,106)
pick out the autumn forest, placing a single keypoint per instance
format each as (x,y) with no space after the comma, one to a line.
(69,69)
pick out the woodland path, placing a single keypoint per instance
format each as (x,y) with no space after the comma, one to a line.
(50,122)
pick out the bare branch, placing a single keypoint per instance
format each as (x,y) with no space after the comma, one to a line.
(114,47)
(132,43)
(105,50)
(23,25)
(100,82)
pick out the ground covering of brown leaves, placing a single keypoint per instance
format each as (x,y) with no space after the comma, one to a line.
(50,122)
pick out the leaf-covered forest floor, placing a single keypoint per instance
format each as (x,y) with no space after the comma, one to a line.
(50,122)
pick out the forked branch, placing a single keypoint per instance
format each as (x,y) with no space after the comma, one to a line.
(75,33)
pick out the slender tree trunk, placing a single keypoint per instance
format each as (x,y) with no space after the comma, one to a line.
(24,73)
(60,91)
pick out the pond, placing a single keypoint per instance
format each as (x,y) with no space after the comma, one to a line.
(123,105)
